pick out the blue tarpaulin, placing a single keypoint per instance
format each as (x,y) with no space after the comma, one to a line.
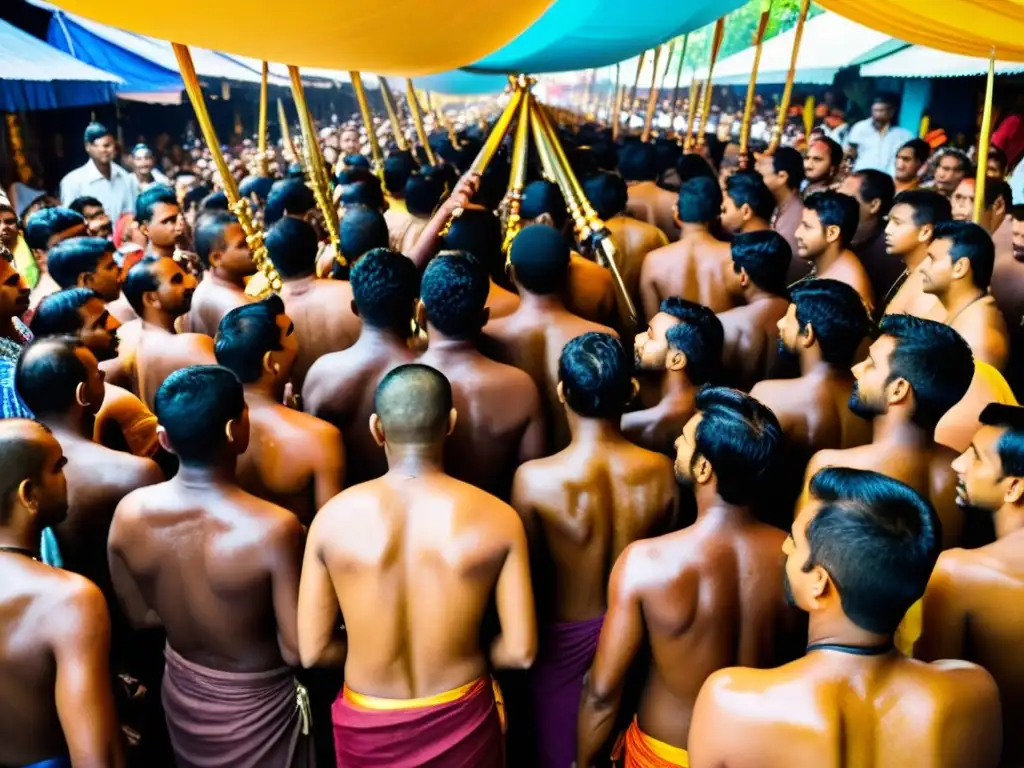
(34,75)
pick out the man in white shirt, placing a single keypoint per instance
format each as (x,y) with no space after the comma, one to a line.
(146,175)
(876,140)
(100,177)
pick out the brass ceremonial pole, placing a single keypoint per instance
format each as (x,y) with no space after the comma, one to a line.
(389,105)
(748,106)
(417,119)
(716,46)
(631,102)
(691,114)
(497,135)
(318,177)
(517,174)
(376,158)
(985,139)
(652,98)
(286,132)
(613,94)
(679,80)
(620,94)
(787,92)
(238,204)
(262,161)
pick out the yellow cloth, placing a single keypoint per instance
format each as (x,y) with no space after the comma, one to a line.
(446,697)
(996,383)
(909,630)
(25,262)
(406,38)
(638,750)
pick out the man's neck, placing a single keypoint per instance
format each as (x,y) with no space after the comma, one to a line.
(161,250)
(811,363)
(693,229)
(297,284)
(915,258)
(20,533)
(675,384)
(713,509)
(70,426)
(266,391)
(448,348)
(226,279)
(592,432)
(957,297)
(379,338)
(104,168)
(413,461)
(837,629)
(826,260)
(753,294)
(1010,520)
(536,302)
(158,321)
(202,477)
(880,127)
(783,195)
(895,430)
(755,225)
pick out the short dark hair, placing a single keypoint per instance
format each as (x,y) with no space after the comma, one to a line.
(194,405)
(367,192)
(139,281)
(878,540)
(788,160)
(693,166)
(48,373)
(398,167)
(934,359)
(837,315)
(1011,443)
(59,313)
(835,150)
(95,131)
(596,376)
(413,403)
(361,229)
(764,255)
(246,334)
(479,233)
(209,235)
(996,188)
(875,185)
(24,457)
(540,257)
(148,200)
(700,200)
(79,204)
(995,153)
(423,191)
(607,193)
(929,206)
(71,258)
(971,242)
(638,162)
(748,188)
(1017,212)
(886,97)
(195,196)
(540,197)
(454,291)
(922,149)
(699,335)
(740,438)
(836,210)
(256,185)
(966,166)
(288,196)
(384,287)
(215,201)
(47,222)
(292,245)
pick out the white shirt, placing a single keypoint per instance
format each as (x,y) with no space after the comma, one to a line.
(877,150)
(116,193)
(158,178)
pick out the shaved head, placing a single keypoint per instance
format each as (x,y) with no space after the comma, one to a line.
(413,403)
(25,446)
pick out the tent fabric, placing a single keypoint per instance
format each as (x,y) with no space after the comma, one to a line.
(966,27)
(918,61)
(34,75)
(829,43)
(401,37)
(459,83)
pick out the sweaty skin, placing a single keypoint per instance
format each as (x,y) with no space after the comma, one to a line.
(751,339)
(160,352)
(634,240)
(323,317)
(984,329)
(213,299)
(649,202)
(812,409)
(848,269)
(693,268)
(590,292)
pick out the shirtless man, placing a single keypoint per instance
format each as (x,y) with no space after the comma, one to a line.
(747,205)
(859,555)
(293,459)
(44,230)
(86,262)
(757,284)
(968,607)
(160,292)
(638,165)
(476,231)
(221,246)
(908,233)
(321,309)
(412,560)
(695,267)
(577,534)
(218,569)
(689,591)
(916,370)
(502,423)
(61,383)
(823,239)
(54,630)
(1008,291)
(339,387)
(683,343)
(957,272)
(783,174)
(532,337)
(159,219)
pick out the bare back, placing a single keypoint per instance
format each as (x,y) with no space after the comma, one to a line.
(649,202)
(814,411)
(321,311)
(634,241)
(692,268)
(848,269)
(159,354)
(211,301)
(751,333)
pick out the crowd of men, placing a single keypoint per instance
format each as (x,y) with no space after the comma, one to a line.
(424,507)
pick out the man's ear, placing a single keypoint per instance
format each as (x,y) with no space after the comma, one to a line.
(164,440)
(377,429)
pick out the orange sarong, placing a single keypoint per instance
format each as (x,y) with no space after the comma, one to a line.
(636,749)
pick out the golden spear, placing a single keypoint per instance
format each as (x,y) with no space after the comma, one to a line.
(691,114)
(679,80)
(417,119)
(262,161)
(517,175)
(716,46)
(286,133)
(787,92)
(389,105)
(631,103)
(652,97)
(748,106)
(376,159)
(985,140)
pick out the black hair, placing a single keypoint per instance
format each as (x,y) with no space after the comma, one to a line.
(700,201)
(971,242)
(996,188)
(607,193)
(367,192)
(875,185)
(194,406)
(290,196)
(95,131)
(423,192)
(384,287)
(215,201)
(886,97)
(922,149)
(764,255)
(454,291)
(836,210)
(596,376)
(145,202)
(59,313)
(353,174)
(493,183)
(413,403)
(1011,443)
(748,188)
(835,150)
(693,166)
(995,153)
(139,281)
(71,258)
(195,196)
(540,197)
(479,233)
(699,335)
(292,245)
(638,162)
(361,229)
(966,166)
(398,167)
(540,258)
(836,314)
(246,334)
(48,373)
(25,456)
(929,206)
(209,234)
(789,160)
(47,222)
(934,359)
(1017,212)
(878,540)
(256,185)
(739,437)
(79,204)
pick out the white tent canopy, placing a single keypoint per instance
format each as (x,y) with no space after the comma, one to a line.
(918,61)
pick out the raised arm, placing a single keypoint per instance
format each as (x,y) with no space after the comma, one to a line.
(430,238)
(516,646)
(284,563)
(321,641)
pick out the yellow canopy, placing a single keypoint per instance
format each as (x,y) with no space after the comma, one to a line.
(968,27)
(399,37)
